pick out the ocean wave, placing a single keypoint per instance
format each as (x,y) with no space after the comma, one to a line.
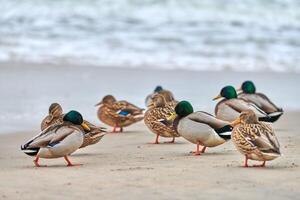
(250,35)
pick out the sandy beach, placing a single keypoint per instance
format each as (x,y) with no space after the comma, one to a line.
(125,166)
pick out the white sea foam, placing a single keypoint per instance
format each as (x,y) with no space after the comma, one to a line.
(249,35)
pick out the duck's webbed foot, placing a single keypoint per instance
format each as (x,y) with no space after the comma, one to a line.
(115,129)
(69,162)
(197,152)
(156,140)
(36,162)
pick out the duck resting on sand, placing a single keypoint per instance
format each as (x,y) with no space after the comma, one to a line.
(200,128)
(230,107)
(58,140)
(118,114)
(256,140)
(92,136)
(156,118)
(248,93)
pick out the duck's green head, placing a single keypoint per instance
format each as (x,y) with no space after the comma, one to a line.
(248,87)
(228,92)
(184,108)
(158,88)
(75,118)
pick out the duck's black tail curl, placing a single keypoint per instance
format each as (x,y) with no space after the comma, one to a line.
(31,151)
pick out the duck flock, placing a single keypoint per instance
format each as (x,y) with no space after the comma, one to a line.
(242,115)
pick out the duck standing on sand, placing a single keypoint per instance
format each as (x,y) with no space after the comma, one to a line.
(230,107)
(260,100)
(254,139)
(91,136)
(58,140)
(199,127)
(156,118)
(168,95)
(118,114)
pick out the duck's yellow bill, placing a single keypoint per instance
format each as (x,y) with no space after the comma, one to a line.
(172,116)
(85,126)
(236,122)
(217,97)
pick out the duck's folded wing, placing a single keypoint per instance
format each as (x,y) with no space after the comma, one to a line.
(243,105)
(50,135)
(268,104)
(207,118)
(130,107)
(264,139)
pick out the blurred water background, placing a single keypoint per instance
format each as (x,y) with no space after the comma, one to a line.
(247,35)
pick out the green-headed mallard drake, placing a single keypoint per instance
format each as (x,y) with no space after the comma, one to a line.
(58,140)
(230,107)
(156,118)
(260,100)
(168,95)
(118,114)
(92,136)
(200,128)
(254,139)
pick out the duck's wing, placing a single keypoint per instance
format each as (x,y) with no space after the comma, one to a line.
(126,107)
(261,101)
(262,137)
(241,105)
(157,119)
(49,136)
(207,118)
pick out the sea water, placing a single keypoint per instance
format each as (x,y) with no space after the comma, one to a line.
(239,35)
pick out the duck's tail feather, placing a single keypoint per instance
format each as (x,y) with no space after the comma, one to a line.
(272,117)
(224,132)
(31,151)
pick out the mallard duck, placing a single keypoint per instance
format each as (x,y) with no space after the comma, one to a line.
(118,114)
(230,107)
(200,128)
(156,118)
(92,136)
(254,139)
(54,117)
(169,97)
(58,140)
(248,93)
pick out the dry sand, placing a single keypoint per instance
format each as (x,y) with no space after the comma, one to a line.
(124,166)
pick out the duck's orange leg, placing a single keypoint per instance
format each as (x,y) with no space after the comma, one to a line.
(69,162)
(197,152)
(246,161)
(156,140)
(36,162)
